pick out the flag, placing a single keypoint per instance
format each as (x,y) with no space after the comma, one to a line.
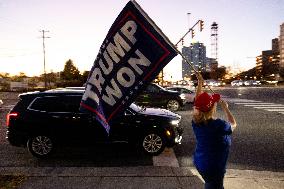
(133,53)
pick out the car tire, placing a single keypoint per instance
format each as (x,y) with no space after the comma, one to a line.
(173,105)
(40,146)
(153,144)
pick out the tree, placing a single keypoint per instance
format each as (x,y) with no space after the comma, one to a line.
(19,78)
(70,71)
(6,75)
(22,75)
(206,75)
(85,76)
(221,72)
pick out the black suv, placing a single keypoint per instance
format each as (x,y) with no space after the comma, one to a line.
(44,120)
(157,96)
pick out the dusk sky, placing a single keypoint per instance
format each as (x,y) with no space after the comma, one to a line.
(77,29)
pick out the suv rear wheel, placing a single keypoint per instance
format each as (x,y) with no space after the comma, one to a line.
(153,143)
(173,105)
(40,146)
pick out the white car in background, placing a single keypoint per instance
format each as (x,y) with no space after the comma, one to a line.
(237,83)
(189,94)
(252,83)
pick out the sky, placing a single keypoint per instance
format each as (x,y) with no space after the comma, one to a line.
(77,28)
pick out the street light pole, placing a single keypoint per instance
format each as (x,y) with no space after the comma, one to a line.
(188,17)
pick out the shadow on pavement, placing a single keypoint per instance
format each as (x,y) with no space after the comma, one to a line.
(110,155)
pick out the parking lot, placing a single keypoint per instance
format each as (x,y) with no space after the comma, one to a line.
(98,156)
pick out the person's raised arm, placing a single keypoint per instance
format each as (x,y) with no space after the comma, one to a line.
(200,84)
(230,117)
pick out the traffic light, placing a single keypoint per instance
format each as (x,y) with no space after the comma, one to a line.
(201,24)
(192,33)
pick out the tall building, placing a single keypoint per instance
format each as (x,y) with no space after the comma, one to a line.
(281,46)
(196,54)
(258,67)
(212,64)
(267,64)
(275,45)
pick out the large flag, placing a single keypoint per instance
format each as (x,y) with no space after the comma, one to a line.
(133,53)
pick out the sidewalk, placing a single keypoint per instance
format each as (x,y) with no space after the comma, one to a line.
(137,177)
(250,179)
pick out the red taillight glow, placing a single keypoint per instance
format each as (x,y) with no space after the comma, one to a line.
(12,114)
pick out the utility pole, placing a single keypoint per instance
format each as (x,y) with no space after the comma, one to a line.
(43,45)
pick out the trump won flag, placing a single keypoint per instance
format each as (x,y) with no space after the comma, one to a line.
(131,56)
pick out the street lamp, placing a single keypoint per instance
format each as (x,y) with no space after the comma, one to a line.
(188,16)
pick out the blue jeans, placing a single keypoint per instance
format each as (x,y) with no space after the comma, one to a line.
(213,181)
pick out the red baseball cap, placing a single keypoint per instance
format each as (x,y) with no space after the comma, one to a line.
(204,102)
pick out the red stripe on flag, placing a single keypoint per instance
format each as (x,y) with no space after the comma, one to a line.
(95,111)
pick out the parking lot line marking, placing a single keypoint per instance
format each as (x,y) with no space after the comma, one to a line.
(241,100)
(5,108)
(275,110)
(255,103)
(266,105)
(269,107)
(166,159)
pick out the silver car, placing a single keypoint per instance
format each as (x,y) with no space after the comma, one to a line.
(189,94)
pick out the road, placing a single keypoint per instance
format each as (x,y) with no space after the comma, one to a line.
(258,142)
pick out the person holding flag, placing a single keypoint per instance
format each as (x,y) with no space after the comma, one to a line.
(213,136)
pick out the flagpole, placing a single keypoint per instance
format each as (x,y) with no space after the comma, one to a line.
(187,32)
(174,46)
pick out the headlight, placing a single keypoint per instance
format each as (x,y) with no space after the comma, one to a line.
(175,122)
(182,96)
(168,133)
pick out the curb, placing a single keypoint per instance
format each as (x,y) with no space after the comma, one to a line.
(139,171)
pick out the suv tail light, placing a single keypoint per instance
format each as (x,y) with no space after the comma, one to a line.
(9,116)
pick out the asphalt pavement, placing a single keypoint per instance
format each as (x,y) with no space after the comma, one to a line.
(162,173)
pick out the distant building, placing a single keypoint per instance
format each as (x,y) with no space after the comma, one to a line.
(212,64)
(267,64)
(19,86)
(275,46)
(258,67)
(196,54)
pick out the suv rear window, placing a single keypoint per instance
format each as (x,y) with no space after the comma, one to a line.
(56,104)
